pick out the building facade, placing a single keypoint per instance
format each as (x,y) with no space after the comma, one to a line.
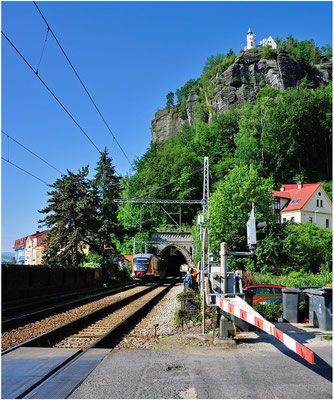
(35,247)
(251,41)
(20,250)
(303,203)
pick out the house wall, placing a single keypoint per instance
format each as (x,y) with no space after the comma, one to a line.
(318,218)
(20,255)
(315,203)
(39,254)
(288,215)
(28,252)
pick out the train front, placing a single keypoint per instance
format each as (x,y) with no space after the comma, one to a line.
(140,265)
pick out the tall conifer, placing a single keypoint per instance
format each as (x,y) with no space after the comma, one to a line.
(70,218)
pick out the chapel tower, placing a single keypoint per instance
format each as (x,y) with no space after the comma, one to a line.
(251,39)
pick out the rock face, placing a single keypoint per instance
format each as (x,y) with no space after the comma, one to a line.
(191,103)
(165,124)
(240,83)
(249,73)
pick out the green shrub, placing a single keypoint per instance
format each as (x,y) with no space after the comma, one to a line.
(268,52)
(269,311)
(323,278)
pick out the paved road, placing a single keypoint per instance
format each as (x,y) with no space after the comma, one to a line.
(262,369)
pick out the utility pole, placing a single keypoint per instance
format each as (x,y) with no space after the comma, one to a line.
(205,263)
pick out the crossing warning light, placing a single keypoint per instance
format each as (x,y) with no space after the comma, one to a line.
(252,227)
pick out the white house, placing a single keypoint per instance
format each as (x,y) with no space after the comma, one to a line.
(251,41)
(302,203)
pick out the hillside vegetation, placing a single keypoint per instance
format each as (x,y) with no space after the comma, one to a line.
(282,137)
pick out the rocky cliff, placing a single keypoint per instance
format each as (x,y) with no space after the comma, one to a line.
(165,124)
(241,82)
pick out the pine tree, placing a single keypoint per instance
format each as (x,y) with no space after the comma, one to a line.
(70,219)
(107,229)
(170,100)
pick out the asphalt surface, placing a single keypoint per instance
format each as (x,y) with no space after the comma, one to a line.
(261,368)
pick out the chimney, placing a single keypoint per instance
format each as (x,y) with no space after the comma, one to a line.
(300,185)
(282,188)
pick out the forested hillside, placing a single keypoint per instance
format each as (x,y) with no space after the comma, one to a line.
(283,136)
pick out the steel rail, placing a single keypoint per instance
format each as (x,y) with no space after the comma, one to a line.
(101,343)
(16,306)
(46,312)
(50,336)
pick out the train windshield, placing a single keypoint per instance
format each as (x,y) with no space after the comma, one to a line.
(141,263)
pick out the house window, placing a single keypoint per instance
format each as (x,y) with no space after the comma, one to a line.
(321,203)
(317,203)
(276,204)
(310,219)
(284,219)
(327,223)
(292,219)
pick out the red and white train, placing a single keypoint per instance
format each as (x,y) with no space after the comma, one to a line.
(148,265)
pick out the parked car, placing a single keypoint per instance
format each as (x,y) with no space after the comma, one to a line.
(266,293)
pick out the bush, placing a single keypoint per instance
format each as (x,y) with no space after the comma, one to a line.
(323,278)
(268,52)
(269,311)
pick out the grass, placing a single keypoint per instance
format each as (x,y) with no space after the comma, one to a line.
(327,337)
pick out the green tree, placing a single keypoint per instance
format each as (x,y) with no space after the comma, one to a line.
(268,52)
(70,217)
(170,100)
(231,203)
(182,94)
(105,189)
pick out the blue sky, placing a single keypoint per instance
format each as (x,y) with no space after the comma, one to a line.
(129,55)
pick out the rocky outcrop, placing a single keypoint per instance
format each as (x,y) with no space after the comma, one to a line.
(165,124)
(191,103)
(250,72)
(241,82)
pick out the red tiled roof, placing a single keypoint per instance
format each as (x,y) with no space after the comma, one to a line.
(40,236)
(128,257)
(283,195)
(20,242)
(299,197)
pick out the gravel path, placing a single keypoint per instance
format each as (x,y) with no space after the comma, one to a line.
(142,336)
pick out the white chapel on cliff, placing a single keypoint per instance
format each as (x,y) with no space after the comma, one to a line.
(251,41)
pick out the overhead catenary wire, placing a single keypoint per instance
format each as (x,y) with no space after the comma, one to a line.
(14,140)
(83,85)
(46,39)
(51,92)
(27,172)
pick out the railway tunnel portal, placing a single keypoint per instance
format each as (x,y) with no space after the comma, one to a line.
(175,248)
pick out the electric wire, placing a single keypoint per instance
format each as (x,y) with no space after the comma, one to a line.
(8,136)
(74,70)
(22,169)
(51,92)
(46,39)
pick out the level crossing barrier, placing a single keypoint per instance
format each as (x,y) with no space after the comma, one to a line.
(239,308)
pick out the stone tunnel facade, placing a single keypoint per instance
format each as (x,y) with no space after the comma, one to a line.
(182,242)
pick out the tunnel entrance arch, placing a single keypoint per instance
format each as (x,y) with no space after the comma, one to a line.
(175,256)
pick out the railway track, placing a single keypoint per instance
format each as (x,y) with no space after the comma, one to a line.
(18,335)
(99,330)
(18,314)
